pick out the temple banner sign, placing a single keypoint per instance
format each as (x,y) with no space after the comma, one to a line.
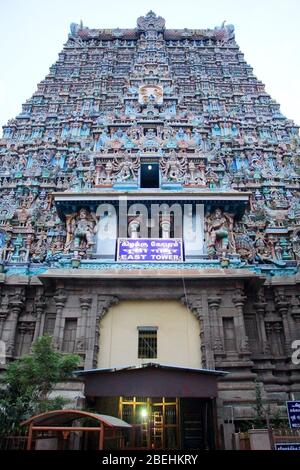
(293,410)
(149,250)
(287,446)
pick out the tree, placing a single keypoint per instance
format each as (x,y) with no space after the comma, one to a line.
(259,408)
(29,381)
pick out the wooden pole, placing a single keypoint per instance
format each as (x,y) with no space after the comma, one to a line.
(101,437)
(29,436)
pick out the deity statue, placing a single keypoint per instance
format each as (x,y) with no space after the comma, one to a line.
(219,232)
(126,169)
(263,251)
(244,246)
(173,168)
(151,94)
(296,243)
(23,214)
(108,171)
(80,230)
(39,248)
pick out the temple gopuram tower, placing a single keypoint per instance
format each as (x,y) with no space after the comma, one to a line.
(150,222)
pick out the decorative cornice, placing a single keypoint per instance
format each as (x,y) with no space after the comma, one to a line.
(104,302)
(194,303)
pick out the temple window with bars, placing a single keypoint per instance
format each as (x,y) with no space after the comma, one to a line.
(69,338)
(147,342)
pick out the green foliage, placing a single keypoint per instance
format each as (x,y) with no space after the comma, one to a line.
(259,421)
(243,426)
(279,419)
(263,417)
(28,382)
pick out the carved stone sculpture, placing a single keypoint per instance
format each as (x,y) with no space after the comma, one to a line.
(80,230)
(219,232)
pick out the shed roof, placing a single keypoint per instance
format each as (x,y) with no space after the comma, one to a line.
(66,417)
(152,380)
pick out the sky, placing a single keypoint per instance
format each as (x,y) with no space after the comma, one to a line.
(32,33)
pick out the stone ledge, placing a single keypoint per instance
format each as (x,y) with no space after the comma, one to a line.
(151,273)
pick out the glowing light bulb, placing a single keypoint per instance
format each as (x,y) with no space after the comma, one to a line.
(144,413)
(149,167)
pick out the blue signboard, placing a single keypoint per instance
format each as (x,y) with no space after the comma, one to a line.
(287,446)
(293,410)
(150,250)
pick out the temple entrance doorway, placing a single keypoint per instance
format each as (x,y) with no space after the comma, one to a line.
(167,407)
(166,423)
(155,422)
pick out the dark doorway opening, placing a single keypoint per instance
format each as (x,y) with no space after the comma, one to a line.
(197,424)
(163,422)
(149,175)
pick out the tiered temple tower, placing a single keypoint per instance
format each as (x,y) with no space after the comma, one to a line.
(155,116)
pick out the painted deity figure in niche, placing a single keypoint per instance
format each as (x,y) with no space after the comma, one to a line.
(151,94)
(219,232)
(173,167)
(126,169)
(80,230)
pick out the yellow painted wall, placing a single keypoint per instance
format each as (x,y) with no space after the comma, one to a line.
(178,340)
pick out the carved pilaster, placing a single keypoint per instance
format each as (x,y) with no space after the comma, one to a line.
(213,305)
(85,305)
(195,304)
(3,317)
(295,318)
(274,331)
(243,343)
(39,309)
(23,329)
(278,330)
(260,308)
(15,305)
(282,307)
(104,303)
(60,299)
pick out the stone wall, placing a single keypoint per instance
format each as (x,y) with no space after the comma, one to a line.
(265,321)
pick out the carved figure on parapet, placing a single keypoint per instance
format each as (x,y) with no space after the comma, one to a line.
(245,246)
(219,233)
(151,22)
(24,214)
(173,167)
(39,247)
(223,33)
(126,168)
(263,251)
(195,175)
(296,243)
(81,228)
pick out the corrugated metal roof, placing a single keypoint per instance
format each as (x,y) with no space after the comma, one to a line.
(153,365)
(64,417)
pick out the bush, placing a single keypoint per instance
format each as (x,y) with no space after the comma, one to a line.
(28,382)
